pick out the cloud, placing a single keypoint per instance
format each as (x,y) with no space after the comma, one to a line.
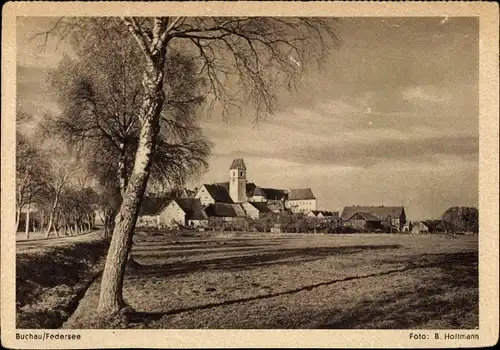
(430,94)
(428,150)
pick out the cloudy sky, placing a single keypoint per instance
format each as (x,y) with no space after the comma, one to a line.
(392,119)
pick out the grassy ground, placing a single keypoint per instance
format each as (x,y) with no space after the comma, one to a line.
(298,281)
(50,279)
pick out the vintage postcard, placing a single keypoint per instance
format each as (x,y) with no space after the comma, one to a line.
(249,174)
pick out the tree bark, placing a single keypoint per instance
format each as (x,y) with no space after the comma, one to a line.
(27,226)
(122,169)
(51,216)
(111,297)
(18,218)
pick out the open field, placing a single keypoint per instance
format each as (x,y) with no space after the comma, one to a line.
(297,281)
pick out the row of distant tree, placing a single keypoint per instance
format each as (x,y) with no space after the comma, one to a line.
(52,196)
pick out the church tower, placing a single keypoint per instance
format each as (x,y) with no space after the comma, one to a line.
(238,181)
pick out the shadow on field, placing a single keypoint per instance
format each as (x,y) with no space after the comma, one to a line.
(428,302)
(49,284)
(283,256)
(397,310)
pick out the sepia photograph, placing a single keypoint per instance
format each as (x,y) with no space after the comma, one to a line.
(247,172)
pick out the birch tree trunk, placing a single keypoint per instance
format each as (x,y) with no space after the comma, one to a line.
(122,169)
(18,218)
(51,216)
(27,226)
(111,297)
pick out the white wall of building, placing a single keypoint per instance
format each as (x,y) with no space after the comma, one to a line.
(250,210)
(301,205)
(172,215)
(204,197)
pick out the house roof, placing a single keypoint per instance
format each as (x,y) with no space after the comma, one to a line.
(224,210)
(250,188)
(261,207)
(153,205)
(381,212)
(367,216)
(329,213)
(223,184)
(192,207)
(257,191)
(273,193)
(429,226)
(300,194)
(324,213)
(219,193)
(238,164)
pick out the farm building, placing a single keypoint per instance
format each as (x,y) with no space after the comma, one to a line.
(256,210)
(166,212)
(420,227)
(363,221)
(225,211)
(396,215)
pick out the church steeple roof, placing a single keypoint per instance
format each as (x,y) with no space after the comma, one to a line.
(238,164)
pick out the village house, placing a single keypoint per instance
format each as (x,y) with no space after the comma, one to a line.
(420,227)
(301,200)
(213,193)
(323,215)
(162,212)
(257,210)
(372,216)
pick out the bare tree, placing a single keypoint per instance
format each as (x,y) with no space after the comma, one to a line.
(31,172)
(100,91)
(63,168)
(243,61)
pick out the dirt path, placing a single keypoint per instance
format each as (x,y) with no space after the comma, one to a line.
(23,246)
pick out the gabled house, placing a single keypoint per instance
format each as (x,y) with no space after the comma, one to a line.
(213,193)
(301,200)
(150,209)
(395,214)
(166,212)
(257,210)
(420,227)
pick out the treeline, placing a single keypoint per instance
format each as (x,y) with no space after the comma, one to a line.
(460,219)
(51,194)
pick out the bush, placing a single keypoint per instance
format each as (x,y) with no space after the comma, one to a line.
(343,229)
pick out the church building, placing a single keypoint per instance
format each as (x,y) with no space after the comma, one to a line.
(238,191)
